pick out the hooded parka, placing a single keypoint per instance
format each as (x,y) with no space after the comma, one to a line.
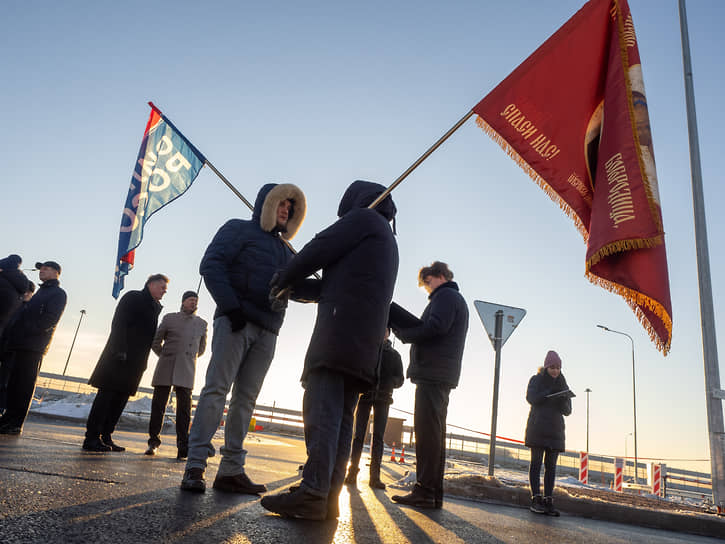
(244,255)
(358,256)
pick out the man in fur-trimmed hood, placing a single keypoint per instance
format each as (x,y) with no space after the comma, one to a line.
(237,268)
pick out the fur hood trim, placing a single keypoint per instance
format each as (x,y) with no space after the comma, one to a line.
(280,192)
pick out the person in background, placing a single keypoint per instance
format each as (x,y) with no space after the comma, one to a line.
(379,401)
(237,268)
(435,368)
(6,361)
(550,400)
(26,341)
(13,285)
(179,340)
(123,361)
(358,256)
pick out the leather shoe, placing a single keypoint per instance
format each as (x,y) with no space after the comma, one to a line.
(95,444)
(376,484)
(419,498)
(194,480)
(151,450)
(10,429)
(239,483)
(182,453)
(297,504)
(111,444)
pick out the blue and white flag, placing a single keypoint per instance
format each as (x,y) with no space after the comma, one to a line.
(167,165)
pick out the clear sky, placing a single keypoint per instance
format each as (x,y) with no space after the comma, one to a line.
(320,94)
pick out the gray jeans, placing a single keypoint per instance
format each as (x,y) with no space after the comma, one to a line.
(239,361)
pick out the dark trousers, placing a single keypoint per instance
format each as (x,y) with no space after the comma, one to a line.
(431,410)
(537,455)
(20,370)
(105,413)
(362,416)
(183,414)
(328,409)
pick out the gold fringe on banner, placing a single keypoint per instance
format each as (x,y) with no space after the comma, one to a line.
(635,299)
(533,174)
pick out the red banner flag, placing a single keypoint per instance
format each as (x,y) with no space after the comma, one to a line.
(574,116)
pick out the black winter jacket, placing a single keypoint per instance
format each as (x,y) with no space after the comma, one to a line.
(545,426)
(358,256)
(239,264)
(125,357)
(32,327)
(437,350)
(390,375)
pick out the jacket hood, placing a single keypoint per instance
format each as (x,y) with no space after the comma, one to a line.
(265,208)
(360,194)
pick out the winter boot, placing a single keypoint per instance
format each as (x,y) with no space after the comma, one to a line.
(549,507)
(537,504)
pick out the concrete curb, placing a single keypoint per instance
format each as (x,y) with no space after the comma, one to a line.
(696,524)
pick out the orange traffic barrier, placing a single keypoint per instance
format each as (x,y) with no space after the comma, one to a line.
(402,456)
(392,455)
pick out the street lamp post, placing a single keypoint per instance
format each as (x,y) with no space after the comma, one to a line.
(587,391)
(634,396)
(625,451)
(83,312)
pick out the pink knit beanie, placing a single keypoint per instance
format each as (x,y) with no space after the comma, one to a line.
(552,359)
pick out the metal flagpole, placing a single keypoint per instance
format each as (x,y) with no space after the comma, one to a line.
(423,157)
(713,394)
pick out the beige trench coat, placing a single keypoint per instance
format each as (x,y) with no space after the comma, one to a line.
(179,340)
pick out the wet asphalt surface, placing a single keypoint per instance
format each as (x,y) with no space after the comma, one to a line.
(51,491)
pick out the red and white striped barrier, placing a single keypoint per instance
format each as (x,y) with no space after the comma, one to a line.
(584,467)
(657,476)
(618,473)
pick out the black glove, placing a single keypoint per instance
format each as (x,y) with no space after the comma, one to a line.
(237,319)
(279,298)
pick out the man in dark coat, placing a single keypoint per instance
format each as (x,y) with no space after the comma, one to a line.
(435,367)
(358,256)
(123,361)
(237,268)
(379,400)
(26,341)
(13,285)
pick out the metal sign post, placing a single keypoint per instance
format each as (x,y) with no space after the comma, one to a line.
(503,320)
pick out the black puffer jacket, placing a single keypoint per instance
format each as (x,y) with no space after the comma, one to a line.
(545,426)
(125,356)
(13,284)
(239,264)
(32,327)
(437,350)
(358,256)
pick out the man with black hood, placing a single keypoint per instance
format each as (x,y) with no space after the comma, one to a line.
(237,268)
(358,256)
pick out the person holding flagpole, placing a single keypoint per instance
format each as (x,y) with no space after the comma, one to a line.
(358,256)
(237,268)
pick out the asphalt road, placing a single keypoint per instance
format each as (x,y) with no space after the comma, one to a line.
(51,491)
